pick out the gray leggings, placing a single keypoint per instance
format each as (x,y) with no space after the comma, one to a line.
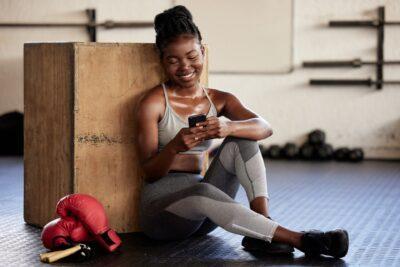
(183,204)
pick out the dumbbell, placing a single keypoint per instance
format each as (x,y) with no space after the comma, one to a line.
(289,151)
(317,137)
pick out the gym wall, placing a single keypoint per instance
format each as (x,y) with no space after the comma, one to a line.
(267,29)
(351,116)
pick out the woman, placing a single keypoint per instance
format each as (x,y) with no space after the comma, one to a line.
(176,201)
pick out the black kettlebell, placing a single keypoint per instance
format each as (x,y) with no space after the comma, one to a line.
(341,154)
(306,151)
(317,137)
(323,152)
(290,151)
(274,152)
(356,155)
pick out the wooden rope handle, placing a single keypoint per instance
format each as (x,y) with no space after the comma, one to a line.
(48,254)
(57,255)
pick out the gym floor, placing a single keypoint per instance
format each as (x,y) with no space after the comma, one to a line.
(363,198)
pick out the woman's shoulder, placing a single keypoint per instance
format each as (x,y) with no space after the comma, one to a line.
(218,95)
(153,100)
(153,96)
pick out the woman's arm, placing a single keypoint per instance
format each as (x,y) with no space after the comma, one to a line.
(255,129)
(243,122)
(155,165)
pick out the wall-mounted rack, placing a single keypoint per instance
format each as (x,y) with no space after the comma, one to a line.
(367,82)
(91,26)
(355,63)
(379,63)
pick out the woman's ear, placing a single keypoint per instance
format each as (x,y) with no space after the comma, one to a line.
(202,49)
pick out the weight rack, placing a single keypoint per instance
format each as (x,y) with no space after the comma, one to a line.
(91,26)
(379,25)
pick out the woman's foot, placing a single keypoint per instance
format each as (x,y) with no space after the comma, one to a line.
(253,244)
(332,243)
(273,247)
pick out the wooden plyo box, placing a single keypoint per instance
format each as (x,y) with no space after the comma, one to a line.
(79,124)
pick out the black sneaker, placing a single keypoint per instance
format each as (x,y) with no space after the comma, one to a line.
(332,243)
(273,247)
(253,244)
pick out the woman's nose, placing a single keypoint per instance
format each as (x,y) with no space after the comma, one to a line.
(184,64)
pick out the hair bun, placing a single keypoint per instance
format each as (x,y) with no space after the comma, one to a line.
(177,12)
(181,12)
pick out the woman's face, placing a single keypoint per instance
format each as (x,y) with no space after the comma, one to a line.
(183,59)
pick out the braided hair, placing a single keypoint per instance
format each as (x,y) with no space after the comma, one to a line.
(172,23)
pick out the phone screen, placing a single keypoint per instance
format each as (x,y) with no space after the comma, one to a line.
(195,119)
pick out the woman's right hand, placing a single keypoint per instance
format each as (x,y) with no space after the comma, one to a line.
(188,138)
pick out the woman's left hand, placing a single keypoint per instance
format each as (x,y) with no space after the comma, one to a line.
(216,128)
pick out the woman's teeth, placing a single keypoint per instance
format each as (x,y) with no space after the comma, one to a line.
(187,76)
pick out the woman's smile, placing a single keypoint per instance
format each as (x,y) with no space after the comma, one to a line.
(187,76)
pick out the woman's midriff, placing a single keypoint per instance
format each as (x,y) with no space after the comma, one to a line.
(188,163)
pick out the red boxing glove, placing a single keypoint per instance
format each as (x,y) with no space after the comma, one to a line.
(64,233)
(91,213)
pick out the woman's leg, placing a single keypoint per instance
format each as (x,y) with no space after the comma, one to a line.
(179,214)
(238,161)
(204,200)
(189,207)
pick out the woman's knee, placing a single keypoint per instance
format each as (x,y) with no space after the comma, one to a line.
(247,148)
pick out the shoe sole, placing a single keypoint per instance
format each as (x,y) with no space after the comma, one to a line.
(270,252)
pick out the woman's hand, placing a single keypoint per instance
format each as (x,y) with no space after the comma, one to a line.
(216,128)
(188,138)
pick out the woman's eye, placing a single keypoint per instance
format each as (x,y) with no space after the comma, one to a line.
(192,58)
(172,62)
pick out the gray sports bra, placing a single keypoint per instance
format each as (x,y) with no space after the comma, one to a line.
(171,123)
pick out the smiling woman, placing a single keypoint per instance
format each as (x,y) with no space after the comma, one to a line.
(183,62)
(181,51)
(178,202)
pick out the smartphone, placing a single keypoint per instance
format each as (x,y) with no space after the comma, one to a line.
(195,119)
